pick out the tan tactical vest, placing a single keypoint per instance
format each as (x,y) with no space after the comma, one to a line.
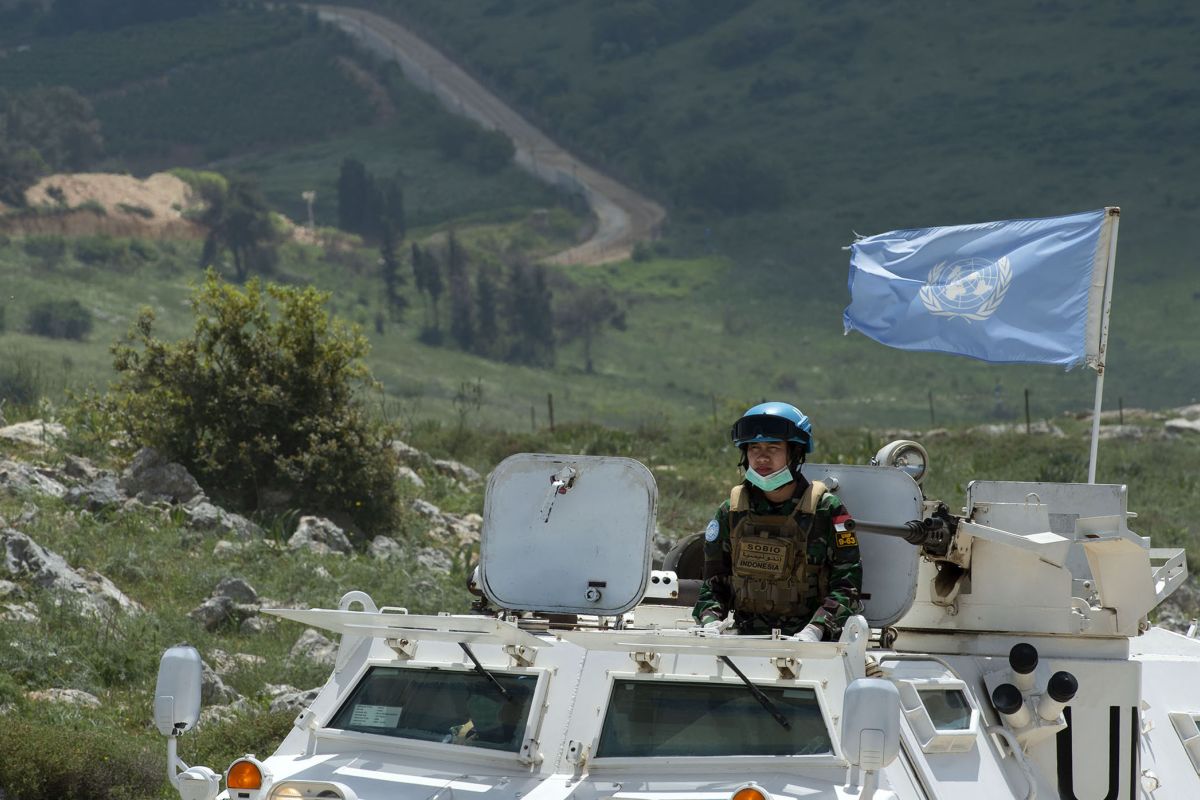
(771,573)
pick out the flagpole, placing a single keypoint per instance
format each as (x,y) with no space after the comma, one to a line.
(1115,215)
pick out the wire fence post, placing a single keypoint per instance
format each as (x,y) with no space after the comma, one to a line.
(1028,428)
(550,409)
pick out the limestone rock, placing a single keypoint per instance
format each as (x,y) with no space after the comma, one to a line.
(36,433)
(96,496)
(1182,425)
(213,691)
(456,470)
(19,612)
(204,516)
(236,589)
(426,509)
(315,647)
(151,478)
(433,559)
(289,698)
(48,570)
(409,474)
(384,548)
(319,536)
(213,612)
(18,478)
(73,697)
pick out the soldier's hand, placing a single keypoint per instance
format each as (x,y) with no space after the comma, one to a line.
(810,633)
(717,625)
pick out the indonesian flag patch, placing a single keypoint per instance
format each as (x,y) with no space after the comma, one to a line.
(843,527)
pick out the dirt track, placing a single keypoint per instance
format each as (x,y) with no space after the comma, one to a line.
(623,216)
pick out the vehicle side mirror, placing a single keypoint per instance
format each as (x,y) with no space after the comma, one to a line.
(177,693)
(870,729)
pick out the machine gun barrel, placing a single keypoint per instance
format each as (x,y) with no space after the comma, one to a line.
(932,534)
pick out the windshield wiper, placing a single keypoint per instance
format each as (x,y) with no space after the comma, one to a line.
(758,694)
(479,668)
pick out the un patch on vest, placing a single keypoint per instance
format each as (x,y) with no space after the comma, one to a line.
(712,531)
(847,539)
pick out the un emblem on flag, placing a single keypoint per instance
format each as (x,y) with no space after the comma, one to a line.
(972,288)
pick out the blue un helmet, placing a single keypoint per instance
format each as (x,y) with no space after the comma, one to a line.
(774,422)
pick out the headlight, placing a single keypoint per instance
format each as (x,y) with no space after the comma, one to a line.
(904,455)
(750,791)
(311,790)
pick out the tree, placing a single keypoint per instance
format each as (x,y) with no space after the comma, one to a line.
(239,221)
(462,322)
(262,402)
(389,267)
(735,180)
(43,130)
(354,190)
(584,315)
(487,338)
(529,316)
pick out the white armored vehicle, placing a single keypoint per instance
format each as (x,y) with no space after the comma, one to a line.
(1007,646)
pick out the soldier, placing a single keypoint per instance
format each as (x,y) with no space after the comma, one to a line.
(781,551)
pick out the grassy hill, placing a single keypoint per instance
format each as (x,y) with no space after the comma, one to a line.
(872,118)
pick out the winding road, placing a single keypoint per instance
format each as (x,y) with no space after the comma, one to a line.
(623,217)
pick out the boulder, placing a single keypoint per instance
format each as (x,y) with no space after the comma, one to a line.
(313,646)
(384,548)
(426,509)
(73,697)
(81,469)
(409,474)
(223,662)
(236,589)
(96,496)
(407,453)
(19,612)
(44,568)
(214,612)
(213,691)
(151,478)
(289,698)
(456,470)
(319,536)
(18,478)
(203,516)
(1182,425)
(434,560)
(35,433)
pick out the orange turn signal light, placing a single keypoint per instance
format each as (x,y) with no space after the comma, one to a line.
(243,775)
(749,793)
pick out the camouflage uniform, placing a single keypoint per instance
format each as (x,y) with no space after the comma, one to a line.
(831,596)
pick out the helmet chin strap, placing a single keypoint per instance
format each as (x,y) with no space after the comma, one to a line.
(769,483)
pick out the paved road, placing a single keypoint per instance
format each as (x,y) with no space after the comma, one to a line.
(623,216)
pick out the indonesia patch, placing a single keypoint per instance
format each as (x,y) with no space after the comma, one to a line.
(712,531)
(847,539)
(843,525)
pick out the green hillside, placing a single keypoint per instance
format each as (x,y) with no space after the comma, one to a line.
(867,117)
(828,118)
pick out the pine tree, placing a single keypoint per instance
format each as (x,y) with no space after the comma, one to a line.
(487,336)
(355,188)
(462,323)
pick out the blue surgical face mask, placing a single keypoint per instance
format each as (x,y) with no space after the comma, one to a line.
(769,483)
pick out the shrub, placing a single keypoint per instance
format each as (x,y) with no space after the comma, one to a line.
(102,250)
(47,249)
(59,319)
(42,761)
(262,403)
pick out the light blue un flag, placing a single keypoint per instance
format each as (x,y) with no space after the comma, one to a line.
(1026,291)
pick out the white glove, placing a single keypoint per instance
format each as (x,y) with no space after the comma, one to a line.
(810,633)
(718,625)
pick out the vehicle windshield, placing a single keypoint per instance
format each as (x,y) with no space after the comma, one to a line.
(436,705)
(658,718)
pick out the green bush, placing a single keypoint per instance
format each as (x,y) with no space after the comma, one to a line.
(263,403)
(59,319)
(47,249)
(42,761)
(102,250)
